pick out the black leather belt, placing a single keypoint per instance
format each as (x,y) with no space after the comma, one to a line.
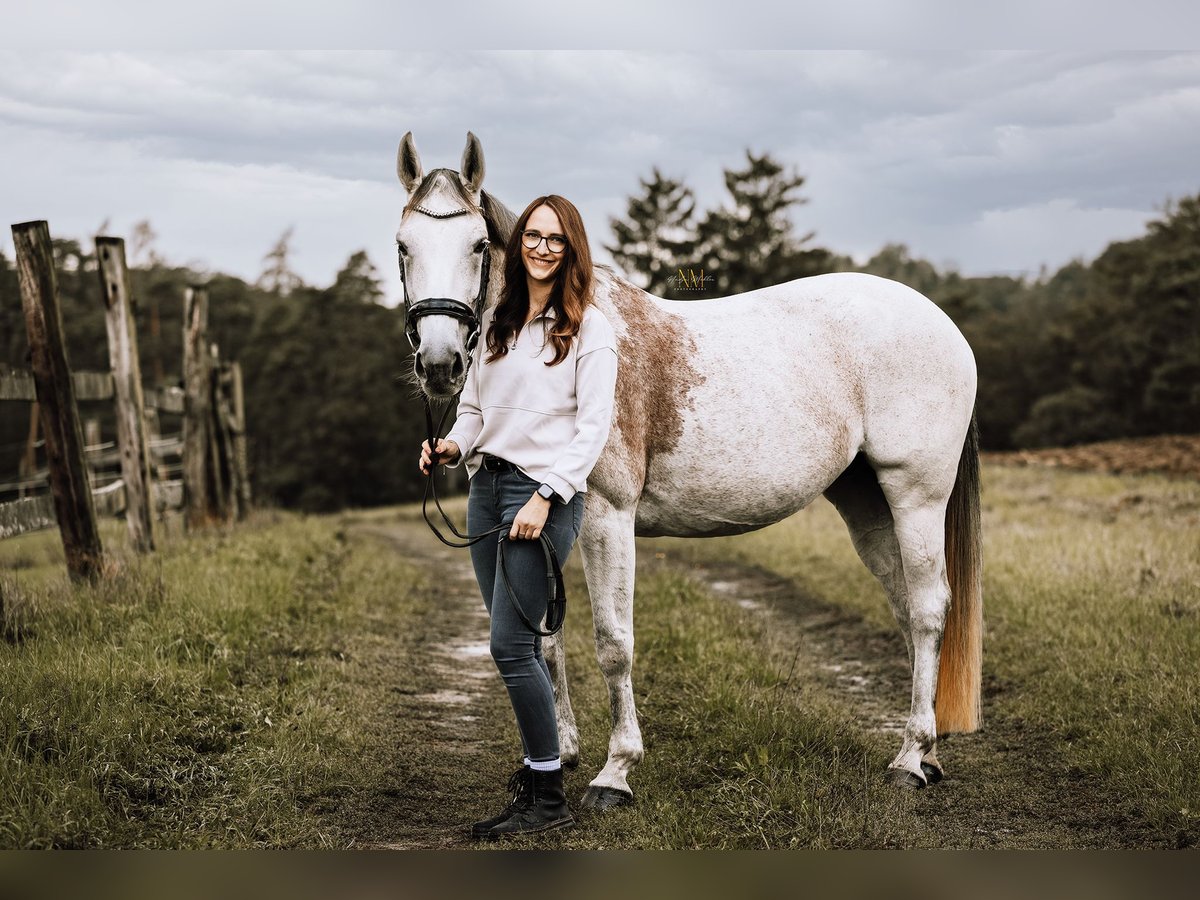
(496,464)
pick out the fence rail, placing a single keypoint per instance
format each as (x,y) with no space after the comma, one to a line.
(18,384)
(37,513)
(99,457)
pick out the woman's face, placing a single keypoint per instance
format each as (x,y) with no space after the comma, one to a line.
(541,263)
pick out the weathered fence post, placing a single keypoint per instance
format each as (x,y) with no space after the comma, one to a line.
(73,505)
(227,429)
(218,479)
(198,392)
(240,466)
(127,390)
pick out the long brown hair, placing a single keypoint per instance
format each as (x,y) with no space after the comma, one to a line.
(569,295)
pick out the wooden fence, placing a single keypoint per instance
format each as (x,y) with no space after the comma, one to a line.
(214,486)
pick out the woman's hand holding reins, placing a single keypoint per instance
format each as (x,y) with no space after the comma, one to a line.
(447,452)
(531,519)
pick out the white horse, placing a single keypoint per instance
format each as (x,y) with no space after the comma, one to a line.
(734,413)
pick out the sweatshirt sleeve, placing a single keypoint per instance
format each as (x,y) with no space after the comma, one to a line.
(469,418)
(595,389)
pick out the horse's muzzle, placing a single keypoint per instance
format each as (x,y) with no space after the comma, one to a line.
(442,378)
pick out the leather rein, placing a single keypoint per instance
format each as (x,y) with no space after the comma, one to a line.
(472,315)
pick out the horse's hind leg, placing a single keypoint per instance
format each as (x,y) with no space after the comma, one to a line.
(918,505)
(860,501)
(568,732)
(608,564)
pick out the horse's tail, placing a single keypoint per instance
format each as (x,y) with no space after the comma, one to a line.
(961,670)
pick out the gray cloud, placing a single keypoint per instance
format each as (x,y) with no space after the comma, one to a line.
(482,24)
(992,161)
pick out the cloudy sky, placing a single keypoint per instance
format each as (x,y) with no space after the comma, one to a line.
(989,161)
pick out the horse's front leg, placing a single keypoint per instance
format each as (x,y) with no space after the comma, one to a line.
(608,564)
(555,651)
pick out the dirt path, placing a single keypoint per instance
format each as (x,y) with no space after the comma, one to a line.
(440,733)
(1006,785)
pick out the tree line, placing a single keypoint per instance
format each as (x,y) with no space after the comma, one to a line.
(1096,350)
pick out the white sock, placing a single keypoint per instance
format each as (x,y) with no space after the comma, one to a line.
(548,765)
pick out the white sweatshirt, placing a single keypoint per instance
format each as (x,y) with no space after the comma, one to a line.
(551,422)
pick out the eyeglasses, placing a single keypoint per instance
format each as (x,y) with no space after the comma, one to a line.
(555,243)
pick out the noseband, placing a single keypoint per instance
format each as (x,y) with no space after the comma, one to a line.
(472,315)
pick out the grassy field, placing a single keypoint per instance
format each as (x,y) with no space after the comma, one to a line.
(1092,611)
(196,699)
(254,687)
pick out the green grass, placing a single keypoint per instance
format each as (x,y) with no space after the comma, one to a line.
(261,687)
(195,699)
(1092,611)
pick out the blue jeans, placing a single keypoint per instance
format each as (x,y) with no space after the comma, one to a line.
(497,497)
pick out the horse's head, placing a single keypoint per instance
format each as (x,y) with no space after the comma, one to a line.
(450,234)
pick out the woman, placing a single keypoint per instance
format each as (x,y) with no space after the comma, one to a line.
(532,419)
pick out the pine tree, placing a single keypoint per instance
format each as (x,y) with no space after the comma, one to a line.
(658,234)
(277,276)
(141,245)
(358,282)
(750,243)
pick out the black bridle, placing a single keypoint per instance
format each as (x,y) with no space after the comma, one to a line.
(472,315)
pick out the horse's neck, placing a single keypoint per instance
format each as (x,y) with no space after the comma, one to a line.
(625,299)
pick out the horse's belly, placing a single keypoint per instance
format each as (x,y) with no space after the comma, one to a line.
(749,455)
(655,519)
(711,501)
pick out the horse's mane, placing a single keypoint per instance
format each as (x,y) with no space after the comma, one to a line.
(500,219)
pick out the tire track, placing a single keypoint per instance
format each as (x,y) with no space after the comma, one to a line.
(445,725)
(1007,785)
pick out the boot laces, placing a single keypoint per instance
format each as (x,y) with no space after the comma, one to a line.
(520,783)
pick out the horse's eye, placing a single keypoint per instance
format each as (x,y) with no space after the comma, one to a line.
(482,245)
(401,248)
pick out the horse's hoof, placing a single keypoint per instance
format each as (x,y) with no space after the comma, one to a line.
(905,779)
(570,762)
(602,798)
(933,774)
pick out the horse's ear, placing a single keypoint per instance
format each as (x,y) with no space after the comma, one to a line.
(408,163)
(470,172)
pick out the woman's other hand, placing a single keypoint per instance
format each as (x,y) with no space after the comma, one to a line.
(530,520)
(447,451)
